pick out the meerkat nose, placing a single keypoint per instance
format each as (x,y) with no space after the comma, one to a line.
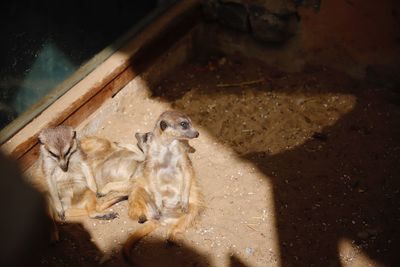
(64,167)
(196,134)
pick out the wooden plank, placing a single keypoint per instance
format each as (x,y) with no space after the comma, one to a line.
(134,53)
(28,158)
(96,101)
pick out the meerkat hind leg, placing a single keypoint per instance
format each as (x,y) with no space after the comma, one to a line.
(121,186)
(88,206)
(142,207)
(110,199)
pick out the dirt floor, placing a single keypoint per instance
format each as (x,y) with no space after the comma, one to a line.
(297,170)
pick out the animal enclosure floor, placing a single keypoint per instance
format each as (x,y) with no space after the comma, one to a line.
(297,170)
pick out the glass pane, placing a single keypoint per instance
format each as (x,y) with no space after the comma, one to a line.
(45,42)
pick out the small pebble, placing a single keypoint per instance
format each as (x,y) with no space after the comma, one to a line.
(249,251)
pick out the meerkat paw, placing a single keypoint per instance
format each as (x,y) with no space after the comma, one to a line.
(61,215)
(99,194)
(185,207)
(156,215)
(107,216)
(142,219)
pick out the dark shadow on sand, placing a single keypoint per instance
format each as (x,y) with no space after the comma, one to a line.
(341,184)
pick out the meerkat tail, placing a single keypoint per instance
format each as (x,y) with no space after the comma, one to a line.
(136,236)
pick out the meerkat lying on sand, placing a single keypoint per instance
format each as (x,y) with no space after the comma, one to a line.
(114,165)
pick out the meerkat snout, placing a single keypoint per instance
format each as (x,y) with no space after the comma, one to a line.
(63,165)
(196,134)
(186,125)
(192,134)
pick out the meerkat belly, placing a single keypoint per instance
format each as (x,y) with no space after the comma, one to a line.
(166,176)
(170,185)
(70,183)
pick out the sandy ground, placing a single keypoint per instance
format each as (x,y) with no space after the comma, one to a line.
(297,170)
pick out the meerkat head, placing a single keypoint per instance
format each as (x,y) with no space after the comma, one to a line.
(143,140)
(175,125)
(59,144)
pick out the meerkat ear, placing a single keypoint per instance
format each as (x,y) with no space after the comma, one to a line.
(138,136)
(41,137)
(148,137)
(163,125)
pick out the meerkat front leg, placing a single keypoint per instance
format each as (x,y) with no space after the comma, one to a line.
(157,196)
(87,172)
(55,198)
(159,203)
(187,183)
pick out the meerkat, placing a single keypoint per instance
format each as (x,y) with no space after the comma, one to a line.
(114,164)
(70,181)
(167,193)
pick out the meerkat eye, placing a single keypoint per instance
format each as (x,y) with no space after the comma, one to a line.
(163,125)
(184,124)
(69,150)
(53,154)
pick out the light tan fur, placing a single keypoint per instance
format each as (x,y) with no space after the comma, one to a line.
(70,181)
(167,193)
(114,164)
